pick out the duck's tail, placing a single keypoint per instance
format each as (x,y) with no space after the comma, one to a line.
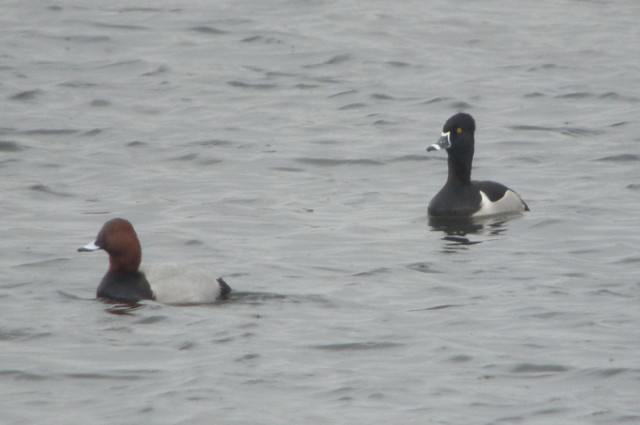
(225,289)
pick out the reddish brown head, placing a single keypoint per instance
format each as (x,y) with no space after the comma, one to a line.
(119,239)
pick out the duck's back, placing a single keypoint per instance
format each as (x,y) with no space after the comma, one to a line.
(498,199)
(176,284)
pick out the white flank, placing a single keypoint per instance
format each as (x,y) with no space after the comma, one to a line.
(510,203)
(175,284)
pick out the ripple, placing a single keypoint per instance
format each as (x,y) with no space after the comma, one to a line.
(607,372)
(257,86)
(543,66)
(335,60)
(210,161)
(261,39)
(288,169)
(550,315)
(143,9)
(342,93)
(619,124)
(422,267)
(456,229)
(435,100)
(569,131)
(460,358)
(398,64)
(254,298)
(539,368)
(380,96)
(356,105)
(151,320)
(461,105)
(21,334)
(326,142)
(303,86)
(44,263)
(19,375)
(118,309)
(119,26)
(94,132)
(46,189)
(99,103)
(186,157)
(437,307)
(246,357)
(26,95)
(71,296)
(384,122)
(162,69)
(608,292)
(50,132)
(9,146)
(629,260)
(356,346)
(208,30)
(410,158)
(625,157)
(617,96)
(88,38)
(548,222)
(13,285)
(576,95)
(329,162)
(78,84)
(212,142)
(124,375)
(373,272)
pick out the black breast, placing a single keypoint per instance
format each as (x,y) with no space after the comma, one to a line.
(455,200)
(125,287)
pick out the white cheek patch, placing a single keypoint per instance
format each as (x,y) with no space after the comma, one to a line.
(510,203)
(446,136)
(444,142)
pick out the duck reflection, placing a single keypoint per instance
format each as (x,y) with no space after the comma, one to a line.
(122,309)
(459,232)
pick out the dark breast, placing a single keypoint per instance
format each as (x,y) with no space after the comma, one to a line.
(125,287)
(455,200)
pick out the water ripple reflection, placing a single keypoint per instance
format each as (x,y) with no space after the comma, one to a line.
(457,232)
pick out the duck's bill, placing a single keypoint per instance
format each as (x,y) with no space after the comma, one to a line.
(444,142)
(89,247)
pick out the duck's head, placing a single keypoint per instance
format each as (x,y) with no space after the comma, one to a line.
(457,134)
(118,238)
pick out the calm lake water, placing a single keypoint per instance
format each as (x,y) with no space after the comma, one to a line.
(281,144)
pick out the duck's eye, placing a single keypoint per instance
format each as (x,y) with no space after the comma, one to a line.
(459,130)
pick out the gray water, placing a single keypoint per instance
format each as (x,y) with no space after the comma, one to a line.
(281,144)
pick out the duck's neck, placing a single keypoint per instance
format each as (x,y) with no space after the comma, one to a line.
(128,264)
(126,260)
(460,167)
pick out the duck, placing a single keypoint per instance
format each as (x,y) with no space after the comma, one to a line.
(125,282)
(461,197)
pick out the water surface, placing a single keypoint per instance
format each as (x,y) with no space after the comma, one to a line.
(282,145)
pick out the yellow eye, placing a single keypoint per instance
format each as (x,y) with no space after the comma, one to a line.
(459,130)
